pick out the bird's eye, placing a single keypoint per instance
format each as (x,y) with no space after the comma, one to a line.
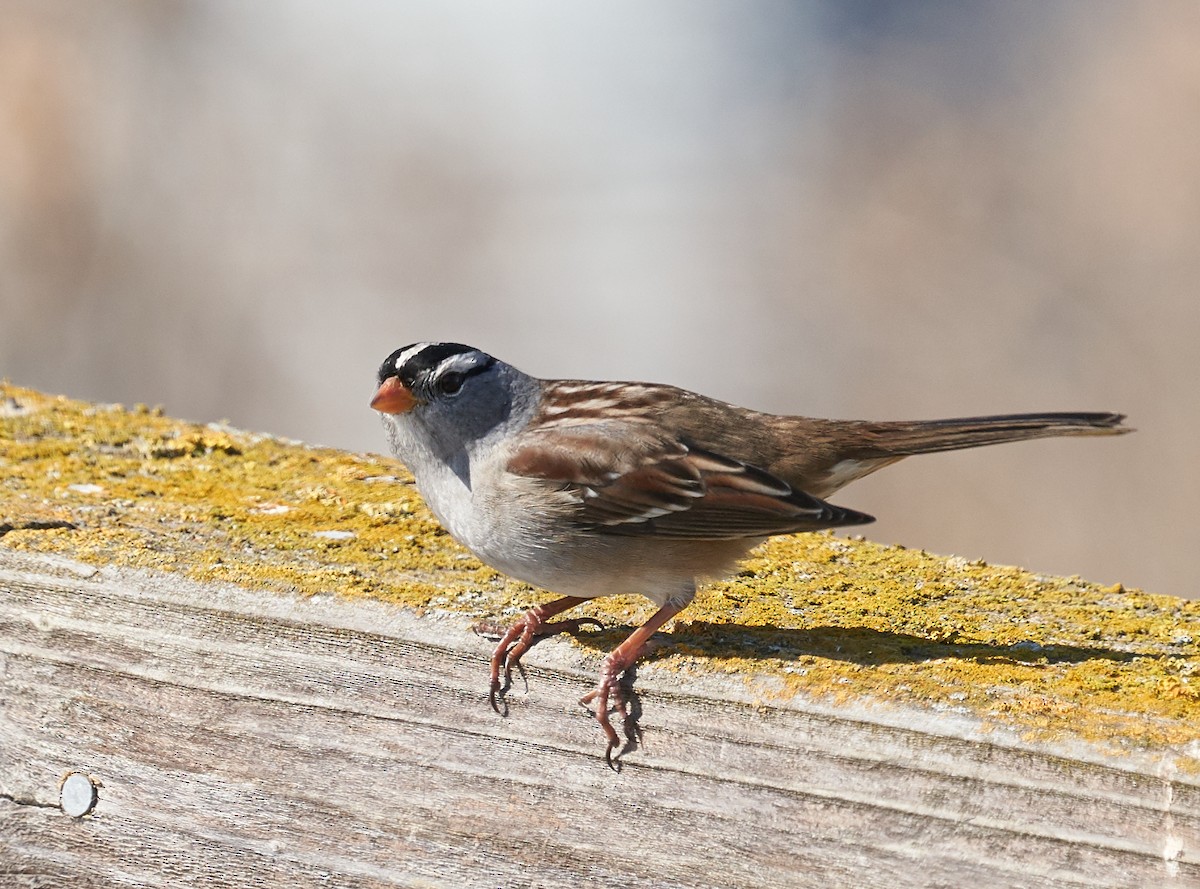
(450,383)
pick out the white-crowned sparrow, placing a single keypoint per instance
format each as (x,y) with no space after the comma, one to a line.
(594,488)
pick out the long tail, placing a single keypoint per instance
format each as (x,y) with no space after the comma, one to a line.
(841,451)
(900,439)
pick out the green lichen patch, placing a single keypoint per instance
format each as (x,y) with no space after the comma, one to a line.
(817,615)
(133,488)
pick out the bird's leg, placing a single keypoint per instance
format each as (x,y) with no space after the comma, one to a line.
(519,637)
(618,661)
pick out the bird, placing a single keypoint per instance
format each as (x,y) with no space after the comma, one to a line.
(594,488)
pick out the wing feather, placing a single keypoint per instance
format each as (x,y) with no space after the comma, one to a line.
(629,478)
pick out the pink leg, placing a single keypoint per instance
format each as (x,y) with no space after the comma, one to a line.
(618,661)
(519,637)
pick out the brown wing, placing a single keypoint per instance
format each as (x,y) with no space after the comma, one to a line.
(630,479)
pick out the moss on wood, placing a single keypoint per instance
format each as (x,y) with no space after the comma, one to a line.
(830,618)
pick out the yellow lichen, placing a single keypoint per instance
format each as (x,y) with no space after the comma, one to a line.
(817,615)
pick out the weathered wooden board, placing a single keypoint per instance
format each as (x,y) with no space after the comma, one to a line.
(251,739)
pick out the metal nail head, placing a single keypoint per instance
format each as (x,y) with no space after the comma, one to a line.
(78,794)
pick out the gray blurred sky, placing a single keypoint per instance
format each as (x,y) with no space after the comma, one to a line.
(855,209)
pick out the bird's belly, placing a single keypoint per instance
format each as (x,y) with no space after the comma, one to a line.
(592,566)
(531,540)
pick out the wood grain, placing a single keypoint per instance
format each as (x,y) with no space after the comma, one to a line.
(252,739)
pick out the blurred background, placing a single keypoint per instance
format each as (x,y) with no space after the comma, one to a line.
(879,210)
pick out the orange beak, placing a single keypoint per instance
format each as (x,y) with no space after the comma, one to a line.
(393,397)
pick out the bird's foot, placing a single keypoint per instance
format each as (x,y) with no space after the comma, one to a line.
(518,639)
(609,696)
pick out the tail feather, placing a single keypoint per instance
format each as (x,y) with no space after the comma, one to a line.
(902,439)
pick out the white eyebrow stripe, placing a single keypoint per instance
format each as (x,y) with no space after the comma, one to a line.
(410,353)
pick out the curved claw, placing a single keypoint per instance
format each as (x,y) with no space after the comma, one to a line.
(495,695)
(519,638)
(500,657)
(609,688)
